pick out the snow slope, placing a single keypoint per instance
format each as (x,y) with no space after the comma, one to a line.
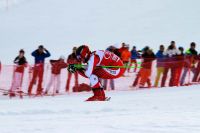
(61,24)
(166,110)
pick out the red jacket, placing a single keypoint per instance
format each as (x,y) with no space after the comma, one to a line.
(57,65)
(125,55)
(72,59)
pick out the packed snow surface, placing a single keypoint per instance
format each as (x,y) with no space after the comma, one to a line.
(166,110)
(61,24)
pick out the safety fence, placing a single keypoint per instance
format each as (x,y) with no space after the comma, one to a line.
(177,71)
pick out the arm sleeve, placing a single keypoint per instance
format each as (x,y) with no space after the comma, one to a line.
(34,53)
(47,54)
(53,62)
(16,60)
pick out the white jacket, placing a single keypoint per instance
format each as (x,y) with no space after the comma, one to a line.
(172,52)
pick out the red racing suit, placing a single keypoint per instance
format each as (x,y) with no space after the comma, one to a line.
(95,69)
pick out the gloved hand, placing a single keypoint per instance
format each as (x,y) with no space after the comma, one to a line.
(71,68)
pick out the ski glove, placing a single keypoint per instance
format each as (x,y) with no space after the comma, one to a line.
(71,68)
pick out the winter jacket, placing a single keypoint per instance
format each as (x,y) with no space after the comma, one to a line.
(122,49)
(171,57)
(191,56)
(134,55)
(147,60)
(160,59)
(72,59)
(20,64)
(172,52)
(57,66)
(40,58)
(126,55)
(191,52)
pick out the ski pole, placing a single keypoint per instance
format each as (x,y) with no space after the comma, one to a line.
(82,66)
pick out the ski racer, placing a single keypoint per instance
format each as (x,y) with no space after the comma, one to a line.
(100,64)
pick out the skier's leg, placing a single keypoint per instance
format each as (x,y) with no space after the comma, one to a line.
(97,89)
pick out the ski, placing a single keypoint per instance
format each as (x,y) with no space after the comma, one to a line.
(107,98)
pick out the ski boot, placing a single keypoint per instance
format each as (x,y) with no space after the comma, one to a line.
(99,95)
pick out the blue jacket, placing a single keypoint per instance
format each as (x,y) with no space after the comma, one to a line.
(159,54)
(40,58)
(134,54)
(160,59)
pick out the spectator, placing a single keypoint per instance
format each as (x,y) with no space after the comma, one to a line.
(179,63)
(135,83)
(125,56)
(160,64)
(122,48)
(72,60)
(114,50)
(134,56)
(170,63)
(145,72)
(20,63)
(189,64)
(40,54)
(57,66)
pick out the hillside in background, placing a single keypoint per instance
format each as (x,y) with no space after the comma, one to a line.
(60,25)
